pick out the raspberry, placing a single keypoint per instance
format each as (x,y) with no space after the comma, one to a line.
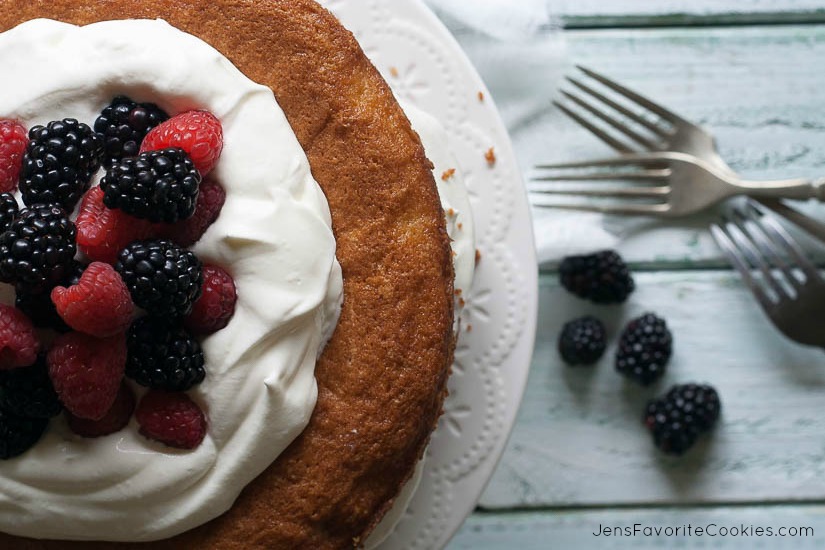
(210,201)
(8,210)
(163,355)
(582,341)
(602,277)
(19,433)
(28,391)
(87,372)
(37,251)
(159,186)
(171,418)
(99,304)
(213,310)
(677,419)
(644,349)
(114,420)
(59,163)
(13,142)
(103,232)
(123,125)
(18,343)
(199,133)
(38,306)
(163,278)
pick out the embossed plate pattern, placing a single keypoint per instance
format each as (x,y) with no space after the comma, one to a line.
(425,66)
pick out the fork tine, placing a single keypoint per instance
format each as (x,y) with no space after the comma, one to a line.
(638,159)
(595,130)
(621,210)
(810,225)
(655,128)
(619,192)
(755,257)
(643,175)
(781,237)
(618,125)
(769,248)
(738,261)
(630,94)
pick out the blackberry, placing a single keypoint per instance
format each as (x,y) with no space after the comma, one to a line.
(582,341)
(38,306)
(677,419)
(36,252)
(163,278)
(28,391)
(645,347)
(123,124)
(160,186)
(19,433)
(601,277)
(8,210)
(163,355)
(59,163)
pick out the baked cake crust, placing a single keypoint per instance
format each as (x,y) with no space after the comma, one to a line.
(382,377)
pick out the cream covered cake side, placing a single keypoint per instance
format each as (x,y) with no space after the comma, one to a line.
(274,237)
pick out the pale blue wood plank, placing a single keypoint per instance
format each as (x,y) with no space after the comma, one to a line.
(578,439)
(782,528)
(599,13)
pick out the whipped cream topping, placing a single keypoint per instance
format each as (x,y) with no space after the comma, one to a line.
(274,236)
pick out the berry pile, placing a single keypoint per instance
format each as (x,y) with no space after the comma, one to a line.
(644,349)
(132,307)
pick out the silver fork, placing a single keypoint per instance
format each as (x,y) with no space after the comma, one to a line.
(673,184)
(664,129)
(785,283)
(811,226)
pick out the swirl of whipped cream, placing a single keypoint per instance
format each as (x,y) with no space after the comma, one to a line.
(274,236)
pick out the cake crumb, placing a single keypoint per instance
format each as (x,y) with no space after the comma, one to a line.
(458,292)
(461,302)
(450,212)
(460,226)
(447,174)
(394,72)
(469,327)
(478,256)
(490,157)
(480,95)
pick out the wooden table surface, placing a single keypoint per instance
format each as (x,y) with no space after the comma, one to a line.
(753,71)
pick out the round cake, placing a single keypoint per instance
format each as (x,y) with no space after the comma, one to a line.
(381,378)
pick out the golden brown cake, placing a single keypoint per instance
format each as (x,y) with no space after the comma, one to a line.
(382,377)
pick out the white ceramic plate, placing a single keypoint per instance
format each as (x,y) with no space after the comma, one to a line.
(425,66)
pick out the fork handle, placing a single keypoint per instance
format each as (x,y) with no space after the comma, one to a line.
(799,189)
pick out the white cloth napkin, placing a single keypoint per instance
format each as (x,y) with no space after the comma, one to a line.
(519,51)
